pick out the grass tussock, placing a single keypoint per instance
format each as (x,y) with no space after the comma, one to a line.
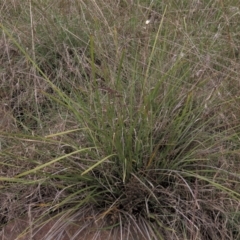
(109,118)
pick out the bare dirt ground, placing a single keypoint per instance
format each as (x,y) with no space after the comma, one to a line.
(57,228)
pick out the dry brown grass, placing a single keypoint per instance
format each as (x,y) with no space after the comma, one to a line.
(83,65)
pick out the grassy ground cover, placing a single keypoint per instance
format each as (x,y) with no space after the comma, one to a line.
(126,112)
